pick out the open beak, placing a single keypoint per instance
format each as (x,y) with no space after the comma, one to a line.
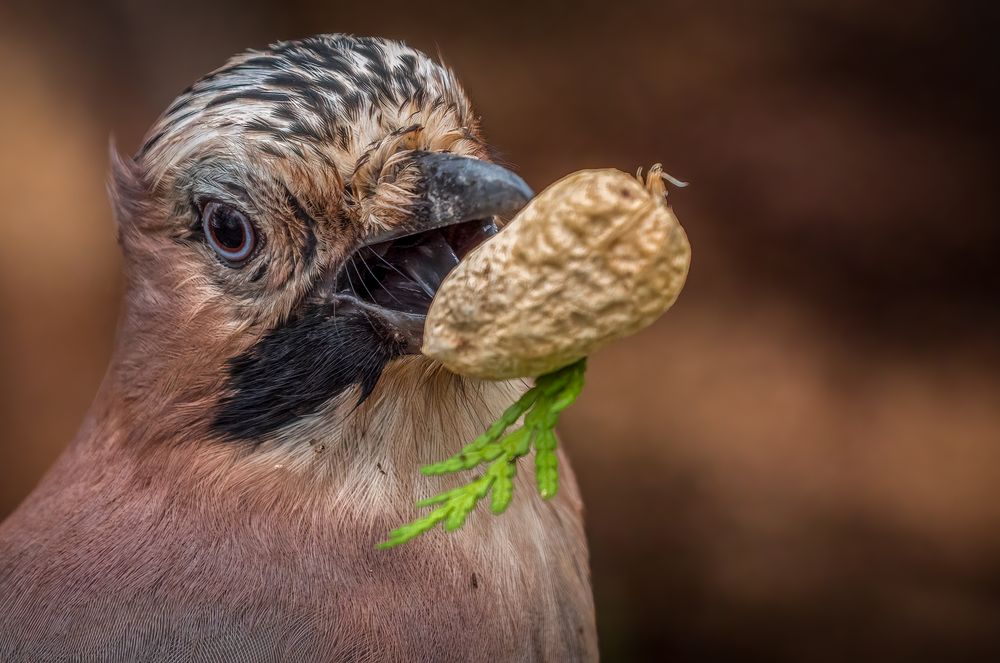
(393,275)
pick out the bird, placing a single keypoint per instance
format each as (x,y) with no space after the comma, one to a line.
(265,412)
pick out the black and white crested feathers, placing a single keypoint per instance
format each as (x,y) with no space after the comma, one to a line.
(337,96)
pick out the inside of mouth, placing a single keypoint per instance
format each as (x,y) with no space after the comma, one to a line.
(403,274)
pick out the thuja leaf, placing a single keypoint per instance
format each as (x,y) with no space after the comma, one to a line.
(471,454)
(415,529)
(546,464)
(503,487)
(540,406)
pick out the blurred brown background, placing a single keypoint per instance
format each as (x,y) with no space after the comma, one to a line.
(801,462)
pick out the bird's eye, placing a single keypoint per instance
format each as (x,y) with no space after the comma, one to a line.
(229,232)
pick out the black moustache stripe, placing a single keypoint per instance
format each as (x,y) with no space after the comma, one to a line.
(296,369)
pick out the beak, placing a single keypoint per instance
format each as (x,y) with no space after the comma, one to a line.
(453,189)
(394,274)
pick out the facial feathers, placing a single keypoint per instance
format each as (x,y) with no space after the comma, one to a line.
(310,140)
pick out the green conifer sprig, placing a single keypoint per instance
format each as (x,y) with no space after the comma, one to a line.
(540,406)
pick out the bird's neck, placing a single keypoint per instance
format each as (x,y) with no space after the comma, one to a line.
(418,414)
(344,456)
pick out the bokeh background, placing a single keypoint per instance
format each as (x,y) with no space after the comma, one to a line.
(800,462)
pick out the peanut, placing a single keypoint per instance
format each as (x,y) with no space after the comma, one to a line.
(595,257)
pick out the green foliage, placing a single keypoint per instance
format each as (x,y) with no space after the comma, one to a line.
(540,406)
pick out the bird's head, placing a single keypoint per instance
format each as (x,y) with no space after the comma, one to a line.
(286,223)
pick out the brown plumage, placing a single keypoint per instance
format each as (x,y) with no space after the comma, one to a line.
(263,419)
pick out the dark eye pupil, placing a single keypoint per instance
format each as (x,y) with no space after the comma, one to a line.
(228,228)
(228,232)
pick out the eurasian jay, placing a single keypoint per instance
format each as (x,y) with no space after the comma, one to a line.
(266,409)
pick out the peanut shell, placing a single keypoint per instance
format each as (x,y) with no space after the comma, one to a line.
(595,257)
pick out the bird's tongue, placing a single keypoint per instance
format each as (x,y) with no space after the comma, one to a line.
(429,261)
(418,265)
